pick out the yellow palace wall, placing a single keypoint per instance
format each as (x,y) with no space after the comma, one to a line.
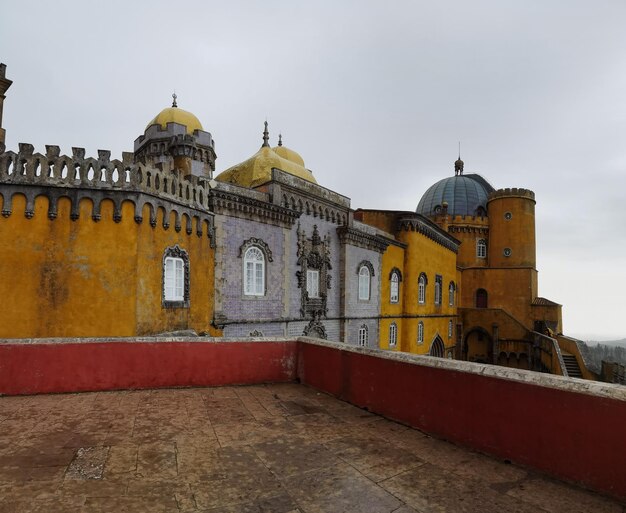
(427,256)
(391,312)
(64,278)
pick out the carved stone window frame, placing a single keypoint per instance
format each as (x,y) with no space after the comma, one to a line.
(176,252)
(313,254)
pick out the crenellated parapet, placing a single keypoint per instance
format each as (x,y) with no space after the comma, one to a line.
(512,192)
(78,177)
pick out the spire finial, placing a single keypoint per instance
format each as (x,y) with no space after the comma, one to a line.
(174,99)
(280,139)
(458,165)
(266,136)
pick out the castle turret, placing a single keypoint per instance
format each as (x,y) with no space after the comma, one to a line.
(175,139)
(4,86)
(512,228)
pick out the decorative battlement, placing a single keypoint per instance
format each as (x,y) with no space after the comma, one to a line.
(512,192)
(56,176)
(469,220)
(56,170)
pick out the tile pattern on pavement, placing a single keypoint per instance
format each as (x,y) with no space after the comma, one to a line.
(267,448)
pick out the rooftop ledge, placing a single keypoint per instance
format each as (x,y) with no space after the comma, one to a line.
(565,427)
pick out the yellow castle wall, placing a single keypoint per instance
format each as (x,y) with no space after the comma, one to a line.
(64,278)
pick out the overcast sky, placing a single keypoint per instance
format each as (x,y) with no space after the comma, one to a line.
(375,97)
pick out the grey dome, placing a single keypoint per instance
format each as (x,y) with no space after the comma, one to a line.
(465,194)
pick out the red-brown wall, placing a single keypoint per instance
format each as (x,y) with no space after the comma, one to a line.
(555,426)
(567,434)
(90,366)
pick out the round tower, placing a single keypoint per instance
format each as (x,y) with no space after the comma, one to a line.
(511,228)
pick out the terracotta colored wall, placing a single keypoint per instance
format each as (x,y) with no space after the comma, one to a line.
(510,289)
(64,278)
(103,365)
(531,425)
(517,233)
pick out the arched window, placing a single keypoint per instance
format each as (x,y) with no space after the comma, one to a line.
(420,332)
(393,334)
(451,291)
(481,298)
(394,288)
(438,287)
(254,272)
(363,336)
(481,248)
(364,283)
(175,278)
(450,328)
(421,289)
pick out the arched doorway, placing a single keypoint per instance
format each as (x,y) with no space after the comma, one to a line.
(437,348)
(481,298)
(478,346)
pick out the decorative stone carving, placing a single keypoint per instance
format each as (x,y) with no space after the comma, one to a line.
(315,329)
(259,243)
(313,254)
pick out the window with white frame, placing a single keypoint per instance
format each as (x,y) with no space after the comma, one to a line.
(451,291)
(364,283)
(254,272)
(420,332)
(450,329)
(421,289)
(175,288)
(393,334)
(394,289)
(363,336)
(481,248)
(174,279)
(313,283)
(438,287)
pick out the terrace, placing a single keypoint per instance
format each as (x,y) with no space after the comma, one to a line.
(275,445)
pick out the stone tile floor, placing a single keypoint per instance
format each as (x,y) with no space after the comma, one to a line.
(267,448)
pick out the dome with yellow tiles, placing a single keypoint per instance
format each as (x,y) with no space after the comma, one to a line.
(257,170)
(175,115)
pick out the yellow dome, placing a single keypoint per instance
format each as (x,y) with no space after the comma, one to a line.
(176,115)
(288,154)
(257,170)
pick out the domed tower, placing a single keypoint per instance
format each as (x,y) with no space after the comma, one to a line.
(458,204)
(175,139)
(512,228)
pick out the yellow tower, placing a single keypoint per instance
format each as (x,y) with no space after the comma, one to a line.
(512,228)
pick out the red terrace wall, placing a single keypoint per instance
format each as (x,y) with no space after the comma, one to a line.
(105,365)
(571,435)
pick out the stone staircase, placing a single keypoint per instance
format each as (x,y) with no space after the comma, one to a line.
(572,366)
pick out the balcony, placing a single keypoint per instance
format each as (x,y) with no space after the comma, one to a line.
(275,445)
